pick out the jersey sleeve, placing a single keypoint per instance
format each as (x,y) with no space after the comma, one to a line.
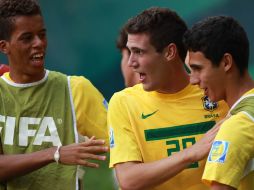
(231,151)
(90,108)
(123,143)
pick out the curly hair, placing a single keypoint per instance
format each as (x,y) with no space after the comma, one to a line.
(162,25)
(9,9)
(217,35)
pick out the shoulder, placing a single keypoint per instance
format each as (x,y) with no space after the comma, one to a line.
(134,89)
(81,83)
(81,87)
(55,74)
(240,125)
(128,93)
(245,104)
(79,80)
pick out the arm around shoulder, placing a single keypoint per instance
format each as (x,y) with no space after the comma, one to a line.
(139,176)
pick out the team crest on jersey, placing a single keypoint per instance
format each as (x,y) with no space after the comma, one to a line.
(208,104)
(111,137)
(218,152)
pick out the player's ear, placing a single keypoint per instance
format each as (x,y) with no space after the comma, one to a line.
(4,46)
(170,51)
(227,61)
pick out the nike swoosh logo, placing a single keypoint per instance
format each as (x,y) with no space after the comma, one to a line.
(144,116)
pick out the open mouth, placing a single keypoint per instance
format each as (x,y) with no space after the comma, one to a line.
(37,59)
(142,77)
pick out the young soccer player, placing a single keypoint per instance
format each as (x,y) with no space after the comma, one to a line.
(43,112)
(152,124)
(218,56)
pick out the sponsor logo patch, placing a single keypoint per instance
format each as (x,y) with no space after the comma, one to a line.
(111,138)
(208,104)
(218,152)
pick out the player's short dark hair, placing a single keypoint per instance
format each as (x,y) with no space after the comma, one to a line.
(215,36)
(9,9)
(162,25)
(122,39)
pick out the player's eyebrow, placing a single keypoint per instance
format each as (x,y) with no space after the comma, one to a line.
(195,65)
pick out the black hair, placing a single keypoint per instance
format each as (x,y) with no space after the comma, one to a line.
(215,36)
(9,9)
(162,25)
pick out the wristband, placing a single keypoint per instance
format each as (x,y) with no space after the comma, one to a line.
(57,154)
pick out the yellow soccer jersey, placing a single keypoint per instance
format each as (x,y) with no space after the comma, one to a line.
(230,160)
(90,108)
(148,126)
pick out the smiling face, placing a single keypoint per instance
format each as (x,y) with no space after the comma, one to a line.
(148,63)
(209,78)
(26,48)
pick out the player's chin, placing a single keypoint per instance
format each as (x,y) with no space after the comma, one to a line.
(148,87)
(213,98)
(37,63)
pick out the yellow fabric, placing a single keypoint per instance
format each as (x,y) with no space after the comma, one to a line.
(131,137)
(251,91)
(90,109)
(238,133)
(91,113)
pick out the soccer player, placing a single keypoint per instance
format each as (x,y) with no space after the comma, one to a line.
(130,77)
(43,112)
(152,124)
(218,56)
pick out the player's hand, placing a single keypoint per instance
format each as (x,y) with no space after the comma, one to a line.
(201,149)
(79,154)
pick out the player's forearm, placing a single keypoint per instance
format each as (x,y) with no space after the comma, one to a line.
(72,154)
(16,165)
(137,176)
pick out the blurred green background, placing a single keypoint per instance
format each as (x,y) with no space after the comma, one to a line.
(82,35)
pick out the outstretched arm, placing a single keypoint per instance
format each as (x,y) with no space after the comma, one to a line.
(74,154)
(136,175)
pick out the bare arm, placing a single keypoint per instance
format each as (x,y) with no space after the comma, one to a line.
(219,186)
(74,154)
(136,175)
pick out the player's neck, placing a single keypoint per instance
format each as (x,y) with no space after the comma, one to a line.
(175,83)
(238,88)
(24,78)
